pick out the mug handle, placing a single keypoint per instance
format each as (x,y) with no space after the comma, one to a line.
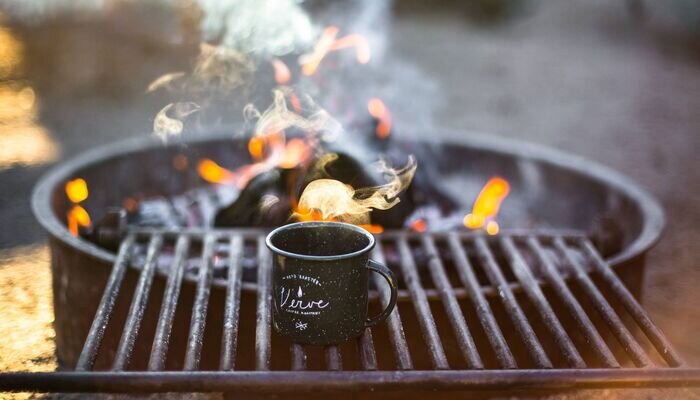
(389,277)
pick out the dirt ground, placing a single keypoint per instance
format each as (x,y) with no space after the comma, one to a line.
(605,80)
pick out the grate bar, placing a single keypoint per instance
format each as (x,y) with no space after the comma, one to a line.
(263,346)
(298,357)
(334,359)
(662,345)
(195,341)
(233,304)
(508,299)
(138,305)
(553,381)
(606,311)
(398,338)
(452,309)
(421,305)
(483,310)
(532,290)
(368,356)
(584,324)
(104,310)
(161,339)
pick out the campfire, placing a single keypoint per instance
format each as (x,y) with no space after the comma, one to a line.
(302,164)
(510,266)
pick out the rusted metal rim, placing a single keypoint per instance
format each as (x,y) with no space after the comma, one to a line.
(653,219)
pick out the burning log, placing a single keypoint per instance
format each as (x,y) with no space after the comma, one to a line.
(270,199)
(264,201)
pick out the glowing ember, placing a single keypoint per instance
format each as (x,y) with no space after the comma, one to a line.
(487,205)
(492,228)
(327,43)
(130,204)
(282,73)
(212,172)
(378,110)
(180,162)
(419,225)
(77,217)
(77,190)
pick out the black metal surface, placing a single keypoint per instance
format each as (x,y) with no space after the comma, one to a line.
(104,310)
(495,276)
(554,279)
(551,358)
(421,306)
(629,343)
(454,314)
(262,332)
(398,338)
(167,312)
(138,305)
(483,310)
(199,311)
(233,303)
(360,381)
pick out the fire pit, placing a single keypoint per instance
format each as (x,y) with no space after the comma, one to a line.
(551,191)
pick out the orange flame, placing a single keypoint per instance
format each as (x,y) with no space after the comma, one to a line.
(372,228)
(267,151)
(295,152)
(282,73)
(378,110)
(357,41)
(305,215)
(256,147)
(77,217)
(327,43)
(487,205)
(212,172)
(295,102)
(77,190)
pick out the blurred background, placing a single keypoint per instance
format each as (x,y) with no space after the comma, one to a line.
(614,81)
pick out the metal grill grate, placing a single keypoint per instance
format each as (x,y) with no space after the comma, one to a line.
(475,311)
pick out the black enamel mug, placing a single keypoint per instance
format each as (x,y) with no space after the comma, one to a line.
(321,280)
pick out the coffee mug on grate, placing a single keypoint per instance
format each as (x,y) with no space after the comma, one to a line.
(320,281)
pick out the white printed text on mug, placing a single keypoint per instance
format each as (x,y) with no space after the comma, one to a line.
(296,304)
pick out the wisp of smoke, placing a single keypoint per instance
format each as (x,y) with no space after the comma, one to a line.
(168,121)
(330,199)
(278,117)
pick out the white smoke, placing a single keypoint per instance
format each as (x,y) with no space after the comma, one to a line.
(259,27)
